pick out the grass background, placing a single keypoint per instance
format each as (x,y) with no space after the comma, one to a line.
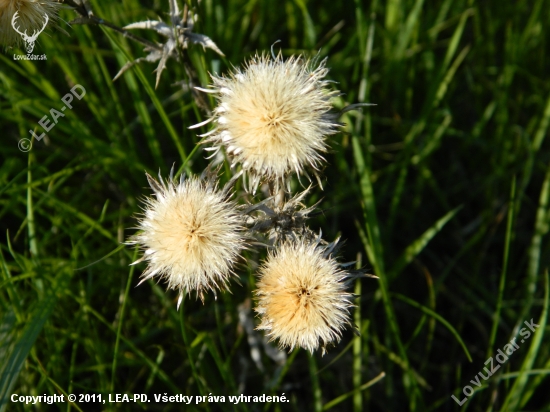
(441,190)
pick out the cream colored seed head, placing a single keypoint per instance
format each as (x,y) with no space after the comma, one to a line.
(273,117)
(191,234)
(30,18)
(301,296)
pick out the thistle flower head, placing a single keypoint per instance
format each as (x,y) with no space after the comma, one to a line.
(301,295)
(191,234)
(273,117)
(30,18)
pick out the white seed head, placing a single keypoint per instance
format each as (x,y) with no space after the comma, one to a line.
(277,114)
(301,296)
(29,19)
(191,234)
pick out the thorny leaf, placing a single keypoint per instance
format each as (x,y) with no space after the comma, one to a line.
(280,220)
(159,26)
(205,41)
(179,33)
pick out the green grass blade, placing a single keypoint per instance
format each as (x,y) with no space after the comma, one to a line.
(514,400)
(357,347)
(361,388)
(419,244)
(152,95)
(405,32)
(30,212)
(435,315)
(506,254)
(12,363)
(121,319)
(534,251)
(376,259)
(131,346)
(316,387)
(112,252)
(188,346)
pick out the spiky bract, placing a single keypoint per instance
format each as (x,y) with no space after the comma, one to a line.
(281,219)
(191,234)
(301,295)
(273,117)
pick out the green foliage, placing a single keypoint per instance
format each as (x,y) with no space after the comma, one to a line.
(443,187)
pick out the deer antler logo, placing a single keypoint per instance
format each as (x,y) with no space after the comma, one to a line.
(29,40)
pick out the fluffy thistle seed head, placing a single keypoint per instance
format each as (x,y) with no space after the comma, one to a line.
(30,18)
(191,234)
(273,117)
(301,296)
